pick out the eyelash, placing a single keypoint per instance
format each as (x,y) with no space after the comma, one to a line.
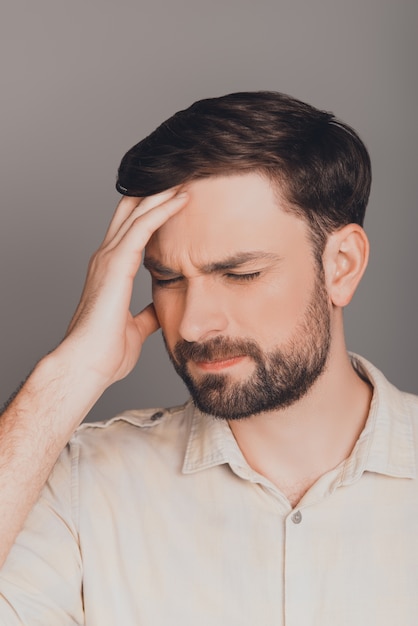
(166,282)
(244,277)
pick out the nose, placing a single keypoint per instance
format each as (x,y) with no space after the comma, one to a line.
(204,313)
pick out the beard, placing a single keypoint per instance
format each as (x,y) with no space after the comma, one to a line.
(280,378)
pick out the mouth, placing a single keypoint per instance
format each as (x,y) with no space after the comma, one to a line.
(217,365)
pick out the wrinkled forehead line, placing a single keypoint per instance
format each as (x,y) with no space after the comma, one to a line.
(232,261)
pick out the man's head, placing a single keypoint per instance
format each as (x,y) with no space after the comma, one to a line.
(245,276)
(245,308)
(319,164)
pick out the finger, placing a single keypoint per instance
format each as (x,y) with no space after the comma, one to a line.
(127,212)
(124,208)
(147,204)
(141,229)
(147,322)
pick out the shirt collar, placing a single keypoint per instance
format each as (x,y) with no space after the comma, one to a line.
(385,446)
(210,443)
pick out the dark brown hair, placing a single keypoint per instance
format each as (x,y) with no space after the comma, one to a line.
(321,166)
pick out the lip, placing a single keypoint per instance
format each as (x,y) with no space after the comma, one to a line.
(220,364)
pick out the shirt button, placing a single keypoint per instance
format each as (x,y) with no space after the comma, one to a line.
(297,517)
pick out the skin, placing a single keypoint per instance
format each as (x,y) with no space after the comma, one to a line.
(187,230)
(226,218)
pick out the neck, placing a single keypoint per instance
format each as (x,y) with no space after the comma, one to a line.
(293,447)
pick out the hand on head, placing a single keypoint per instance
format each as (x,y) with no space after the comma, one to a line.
(107,337)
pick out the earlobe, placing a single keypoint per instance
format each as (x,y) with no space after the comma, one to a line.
(345,259)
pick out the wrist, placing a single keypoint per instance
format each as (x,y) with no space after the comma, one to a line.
(62,389)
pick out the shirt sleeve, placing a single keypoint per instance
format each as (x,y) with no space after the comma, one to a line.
(41,581)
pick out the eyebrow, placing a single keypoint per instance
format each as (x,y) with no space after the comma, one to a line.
(232,262)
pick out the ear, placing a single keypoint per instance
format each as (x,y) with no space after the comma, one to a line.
(345,259)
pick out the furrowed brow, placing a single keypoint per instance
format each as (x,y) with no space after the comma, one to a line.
(153,265)
(232,262)
(237,260)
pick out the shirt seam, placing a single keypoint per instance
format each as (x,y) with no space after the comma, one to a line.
(75,496)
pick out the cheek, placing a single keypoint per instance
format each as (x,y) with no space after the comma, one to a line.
(168,307)
(270,318)
(277,309)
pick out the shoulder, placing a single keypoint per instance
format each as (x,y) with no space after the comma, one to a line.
(137,418)
(132,436)
(387,390)
(410,402)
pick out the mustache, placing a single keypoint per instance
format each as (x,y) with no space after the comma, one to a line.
(216,349)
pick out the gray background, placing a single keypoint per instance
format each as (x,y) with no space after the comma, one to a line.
(82,81)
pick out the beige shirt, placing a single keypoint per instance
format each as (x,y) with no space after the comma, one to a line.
(154,518)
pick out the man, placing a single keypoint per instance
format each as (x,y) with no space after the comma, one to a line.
(285,493)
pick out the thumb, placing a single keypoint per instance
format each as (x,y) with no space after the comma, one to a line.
(147,322)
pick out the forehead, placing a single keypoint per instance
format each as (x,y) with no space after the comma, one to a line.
(227,215)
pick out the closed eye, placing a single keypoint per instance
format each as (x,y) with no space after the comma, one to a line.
(166,282)
(243,277)
(232,276)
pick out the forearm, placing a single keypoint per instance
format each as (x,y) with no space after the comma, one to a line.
(33,431)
